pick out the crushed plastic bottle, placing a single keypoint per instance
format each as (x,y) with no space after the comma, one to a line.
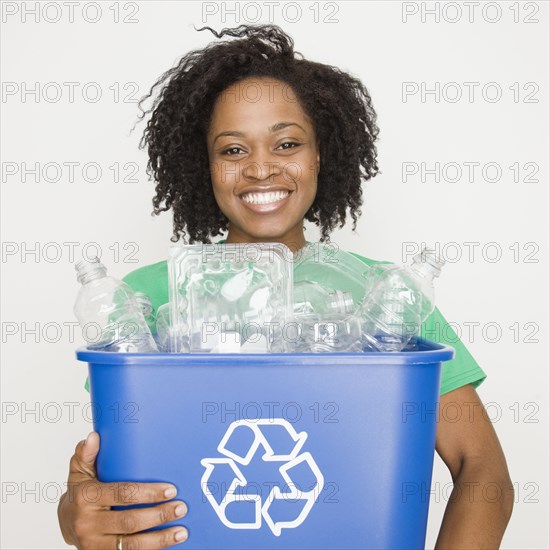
(164,336)
(324,333)
(311,297)
(144,303)
(400,301)
(162,328)
(108,312)
(321,321)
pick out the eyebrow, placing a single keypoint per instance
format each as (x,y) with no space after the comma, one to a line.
(271,129)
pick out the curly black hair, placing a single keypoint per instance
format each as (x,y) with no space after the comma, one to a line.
(338,104)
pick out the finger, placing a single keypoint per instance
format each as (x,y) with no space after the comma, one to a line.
(125,493)
(153,539)
(82,465)
(140,519)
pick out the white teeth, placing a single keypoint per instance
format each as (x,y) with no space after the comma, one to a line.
(265,198)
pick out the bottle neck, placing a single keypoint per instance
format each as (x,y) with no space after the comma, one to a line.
(144,303)
(427,264)
(90,271)
(425,270)
(341,302)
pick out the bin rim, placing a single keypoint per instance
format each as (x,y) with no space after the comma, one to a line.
(430,353)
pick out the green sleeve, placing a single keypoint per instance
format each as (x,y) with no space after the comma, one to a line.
(463,369)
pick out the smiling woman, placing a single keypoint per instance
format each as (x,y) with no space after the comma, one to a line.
(248,137)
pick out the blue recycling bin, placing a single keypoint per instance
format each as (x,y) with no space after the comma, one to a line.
(300,451)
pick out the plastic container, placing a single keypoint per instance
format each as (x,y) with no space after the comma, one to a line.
(348,439)
(222,293)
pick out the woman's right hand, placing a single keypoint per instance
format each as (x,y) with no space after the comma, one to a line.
(85,514)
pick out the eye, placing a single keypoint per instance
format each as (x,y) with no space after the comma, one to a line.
(231,151)
(291,145)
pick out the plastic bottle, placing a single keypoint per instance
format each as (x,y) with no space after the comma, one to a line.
(320,320)
(164,336)
(144,303)
(109,313)
(399,303)
(311,297)
(325,333)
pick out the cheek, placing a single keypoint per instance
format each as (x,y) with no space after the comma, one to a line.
(293,171)
(303,172)
(221,181)
(217,186)
(216,175)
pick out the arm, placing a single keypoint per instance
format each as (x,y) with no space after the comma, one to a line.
(481,503)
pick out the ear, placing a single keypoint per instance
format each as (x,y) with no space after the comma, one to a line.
(318,159)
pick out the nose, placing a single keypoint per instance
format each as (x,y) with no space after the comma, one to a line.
(261,166)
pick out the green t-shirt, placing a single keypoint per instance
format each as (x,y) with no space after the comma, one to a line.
(463,369)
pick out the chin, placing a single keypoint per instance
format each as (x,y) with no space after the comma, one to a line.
(267,232)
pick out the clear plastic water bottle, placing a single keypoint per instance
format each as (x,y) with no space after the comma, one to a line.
(394,310)
(144,303)
(311,297)
(320,320)
(162,328)
(325,333)
(108,312)
(164,333)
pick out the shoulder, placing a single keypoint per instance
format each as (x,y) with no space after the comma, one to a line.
(369,261)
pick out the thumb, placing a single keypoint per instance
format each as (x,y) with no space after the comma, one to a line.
(83,461)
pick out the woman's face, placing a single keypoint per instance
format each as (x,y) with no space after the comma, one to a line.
(264,162)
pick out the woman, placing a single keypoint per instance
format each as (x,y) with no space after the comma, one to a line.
(249,137)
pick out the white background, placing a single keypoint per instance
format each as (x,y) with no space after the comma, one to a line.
(383,46)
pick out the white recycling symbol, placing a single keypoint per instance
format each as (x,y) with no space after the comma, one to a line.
(289,461)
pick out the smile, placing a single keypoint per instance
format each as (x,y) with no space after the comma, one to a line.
(265,197)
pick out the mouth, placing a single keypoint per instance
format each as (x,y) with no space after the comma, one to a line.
(265,201)
(265,197)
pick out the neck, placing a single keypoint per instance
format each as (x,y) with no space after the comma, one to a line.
(295,241)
